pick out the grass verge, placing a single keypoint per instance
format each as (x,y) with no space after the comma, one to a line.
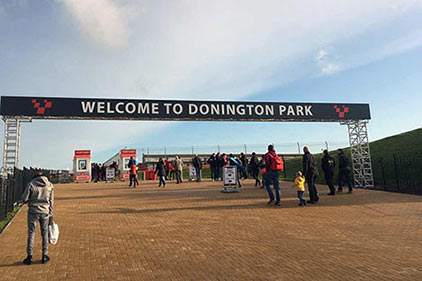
(10,216)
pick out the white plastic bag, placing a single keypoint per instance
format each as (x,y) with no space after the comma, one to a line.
(53,233)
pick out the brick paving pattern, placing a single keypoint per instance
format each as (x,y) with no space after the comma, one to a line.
(194,232)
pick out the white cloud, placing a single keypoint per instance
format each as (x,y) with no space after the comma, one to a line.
(103,21)
(222,49)
(325,64)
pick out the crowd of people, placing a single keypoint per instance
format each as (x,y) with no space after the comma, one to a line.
(269,166)
(98,171)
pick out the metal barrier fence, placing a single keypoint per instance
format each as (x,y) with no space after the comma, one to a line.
(281,148)
(399,173)
(13,183)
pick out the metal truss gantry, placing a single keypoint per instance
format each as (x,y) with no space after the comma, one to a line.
(361,155)
(12,134)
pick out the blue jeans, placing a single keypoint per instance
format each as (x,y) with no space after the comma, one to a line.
(300,196)
(272,177)
(198,174)
(212,169)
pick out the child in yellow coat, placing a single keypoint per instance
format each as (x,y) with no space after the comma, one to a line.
(300,184)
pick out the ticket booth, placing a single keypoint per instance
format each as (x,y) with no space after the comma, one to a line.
(124,158)
(82,166)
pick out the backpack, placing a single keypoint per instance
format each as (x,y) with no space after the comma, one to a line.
(276,163)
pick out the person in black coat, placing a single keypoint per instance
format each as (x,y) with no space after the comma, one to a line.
(217,160)
(212,161)
(344,171)
(161,173)
(310,172)
(327,164)
(244,161)
(254,165)
(197,163)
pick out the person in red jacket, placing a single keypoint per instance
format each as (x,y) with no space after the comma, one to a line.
(133,176)
(167,167)
(273,164)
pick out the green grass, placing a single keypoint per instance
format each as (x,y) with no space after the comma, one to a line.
(10,216)
(403,145)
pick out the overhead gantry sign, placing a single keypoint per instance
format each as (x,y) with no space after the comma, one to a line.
(355,115)
(79,108)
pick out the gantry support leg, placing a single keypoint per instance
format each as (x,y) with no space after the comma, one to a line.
(361,155)
(12,135)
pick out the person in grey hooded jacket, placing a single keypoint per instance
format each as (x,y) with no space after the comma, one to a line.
(39,194)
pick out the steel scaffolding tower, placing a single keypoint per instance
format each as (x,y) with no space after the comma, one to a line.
(12,134)
(361,155)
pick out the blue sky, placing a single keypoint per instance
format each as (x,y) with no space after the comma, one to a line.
(320,51)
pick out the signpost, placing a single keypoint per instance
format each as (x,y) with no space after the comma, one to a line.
(192,173)
(64,176)
(110,174)
(230,179)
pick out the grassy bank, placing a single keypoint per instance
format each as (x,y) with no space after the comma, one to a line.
(3,223)
(408,144)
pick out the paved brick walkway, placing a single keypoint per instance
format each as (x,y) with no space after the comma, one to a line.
(194,232)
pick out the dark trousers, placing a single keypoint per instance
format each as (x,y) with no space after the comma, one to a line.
(255,173)
(198,174)
(134,179)
(272,178)
(179,176)
(242,173)
(162,181)
(344,178)
(216,172)
(212,170)
(33,219)
(300,196)
(313,192)
(329,181)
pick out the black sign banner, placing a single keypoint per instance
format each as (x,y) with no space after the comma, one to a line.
(128,109)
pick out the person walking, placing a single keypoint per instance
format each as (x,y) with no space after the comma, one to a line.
(254,165)
(217,166)
(212,162)
(327,164)
(167,167)
(197,163)
(300,185)
(263,171)
(103,172)
(310,172)
(273,164)
(244,162)
(39,194)
(161,173)
(179,169)
(131,161)
(344,171)
(172,171)
(96,172)
(133,176)
(235,162)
